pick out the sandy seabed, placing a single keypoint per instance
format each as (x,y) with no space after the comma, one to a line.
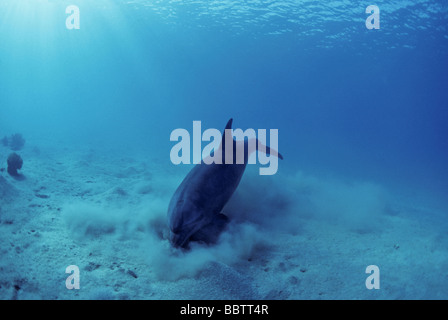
(292,236)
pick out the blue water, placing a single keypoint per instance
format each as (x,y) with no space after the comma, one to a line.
(364,103)
(352,103)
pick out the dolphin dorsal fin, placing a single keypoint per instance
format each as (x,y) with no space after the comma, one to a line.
(222,146)
(229,124)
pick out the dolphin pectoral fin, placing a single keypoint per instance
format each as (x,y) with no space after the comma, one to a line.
(267,150)
(210,233)
(274,152)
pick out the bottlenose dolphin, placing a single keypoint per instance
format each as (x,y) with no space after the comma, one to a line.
(194,212)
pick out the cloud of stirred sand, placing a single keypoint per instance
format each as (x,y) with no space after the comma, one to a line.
(261,207)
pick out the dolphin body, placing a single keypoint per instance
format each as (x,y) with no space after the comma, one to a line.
(194,212)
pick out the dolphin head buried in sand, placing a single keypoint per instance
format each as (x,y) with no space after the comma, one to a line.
(194,212)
